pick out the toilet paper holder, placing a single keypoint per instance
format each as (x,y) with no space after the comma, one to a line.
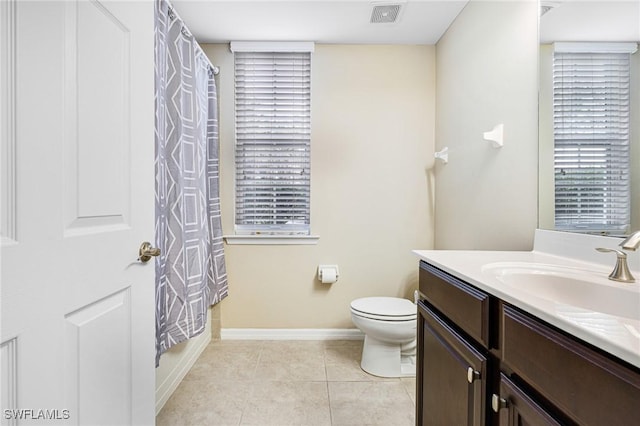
(328,269)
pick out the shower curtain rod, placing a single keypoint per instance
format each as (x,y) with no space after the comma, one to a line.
(174,15)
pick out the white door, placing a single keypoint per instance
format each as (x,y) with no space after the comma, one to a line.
(77,341)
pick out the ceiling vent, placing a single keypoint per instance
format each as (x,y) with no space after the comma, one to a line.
(385,13)
(546,6)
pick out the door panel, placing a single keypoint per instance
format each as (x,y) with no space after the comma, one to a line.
(521,409)
(98,44)
(77,306)
(8,77)
(451,394)
(98,346)
(8,369)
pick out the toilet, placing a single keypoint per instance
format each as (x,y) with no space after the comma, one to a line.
(389,326)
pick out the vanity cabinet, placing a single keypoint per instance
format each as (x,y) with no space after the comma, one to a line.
(582,384)
(453,356)
(482,361)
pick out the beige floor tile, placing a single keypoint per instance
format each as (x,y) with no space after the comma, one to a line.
(301,370)
(353,373)
(342,354)
(291,360)
(278,383)
(198,402)
(288,345)
(333,343)
(226,362)
(288,403)
(295,352)
(370,403)
(254,344)
(343,365)
(410,385)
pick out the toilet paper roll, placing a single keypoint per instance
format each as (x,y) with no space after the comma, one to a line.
(329,276)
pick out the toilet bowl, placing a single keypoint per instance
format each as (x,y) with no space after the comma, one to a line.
(389,326)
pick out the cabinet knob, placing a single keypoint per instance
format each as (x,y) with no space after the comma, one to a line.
(498,403)
(472,375)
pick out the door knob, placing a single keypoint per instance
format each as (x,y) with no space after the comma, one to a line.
(146,252)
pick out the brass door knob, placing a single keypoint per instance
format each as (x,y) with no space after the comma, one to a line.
(146,252)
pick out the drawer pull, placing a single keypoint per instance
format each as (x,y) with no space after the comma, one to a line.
(498,403)
(472,375)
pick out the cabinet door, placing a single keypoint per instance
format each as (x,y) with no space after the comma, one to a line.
(466,306)
(516,408)
(451,375)
(587,386)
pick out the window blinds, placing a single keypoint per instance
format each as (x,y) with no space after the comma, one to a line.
(273,129)
(591,132)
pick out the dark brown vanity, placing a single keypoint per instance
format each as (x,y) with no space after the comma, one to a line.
(482,361)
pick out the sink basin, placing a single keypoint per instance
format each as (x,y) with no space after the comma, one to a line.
(590,290)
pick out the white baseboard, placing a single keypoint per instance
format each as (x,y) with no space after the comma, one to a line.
(165,389)
(291,334)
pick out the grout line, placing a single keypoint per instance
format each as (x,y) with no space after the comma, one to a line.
(329,403)
(260,350)
(326,382)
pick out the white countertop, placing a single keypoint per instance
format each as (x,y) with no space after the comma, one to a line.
(618,335)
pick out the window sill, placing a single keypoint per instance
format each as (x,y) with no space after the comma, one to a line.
(271,239)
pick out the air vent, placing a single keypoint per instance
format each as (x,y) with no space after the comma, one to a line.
(385,14)
(546,6)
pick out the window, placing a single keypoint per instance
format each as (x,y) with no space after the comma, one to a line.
(273,132)
(591,136)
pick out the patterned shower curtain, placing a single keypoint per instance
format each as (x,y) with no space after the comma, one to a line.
(190,272)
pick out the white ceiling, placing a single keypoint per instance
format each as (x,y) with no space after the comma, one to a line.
(420,22)
(580,20)
(321,21)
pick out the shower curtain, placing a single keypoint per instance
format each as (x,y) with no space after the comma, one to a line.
(190,272)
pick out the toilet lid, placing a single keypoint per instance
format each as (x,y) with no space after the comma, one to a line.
(386,308)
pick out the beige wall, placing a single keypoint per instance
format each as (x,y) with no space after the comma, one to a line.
(486,198)
(372,148)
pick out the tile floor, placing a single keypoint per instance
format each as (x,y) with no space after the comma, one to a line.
(278,383)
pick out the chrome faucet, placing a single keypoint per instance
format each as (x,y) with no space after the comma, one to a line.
(632,242)
(621,270)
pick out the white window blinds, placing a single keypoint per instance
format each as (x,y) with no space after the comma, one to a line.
(273,130)
(591,132)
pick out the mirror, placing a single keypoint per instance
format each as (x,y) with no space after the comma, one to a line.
(584,21)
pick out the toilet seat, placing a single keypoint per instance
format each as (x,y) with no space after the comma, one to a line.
(384,308)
